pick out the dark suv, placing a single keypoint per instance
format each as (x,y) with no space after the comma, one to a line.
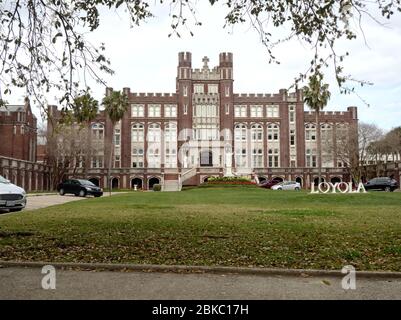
(79,187)
(381,183)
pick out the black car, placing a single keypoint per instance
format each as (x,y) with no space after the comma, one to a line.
(381,183)
(79,187)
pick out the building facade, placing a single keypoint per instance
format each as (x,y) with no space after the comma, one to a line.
(18,148)
(204,129)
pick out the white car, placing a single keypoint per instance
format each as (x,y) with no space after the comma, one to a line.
(287,185)
(12,197)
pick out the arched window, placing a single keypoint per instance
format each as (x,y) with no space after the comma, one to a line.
(240,132)
(310,132)
(137,132)
(273,132)
(98,131)
(257,132)
(154,132)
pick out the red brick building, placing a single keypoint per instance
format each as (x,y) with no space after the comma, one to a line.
(205,129)
(18,132)
(18,147)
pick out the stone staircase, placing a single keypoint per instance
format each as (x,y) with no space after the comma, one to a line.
(176,184)
(172,185)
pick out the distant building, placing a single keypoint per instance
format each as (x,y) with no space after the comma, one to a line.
(18,147)
(18,132)
(204,129)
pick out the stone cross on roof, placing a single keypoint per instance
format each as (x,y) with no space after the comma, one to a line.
(205,61)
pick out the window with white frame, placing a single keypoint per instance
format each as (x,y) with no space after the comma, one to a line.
(291,114)
(227,108)
(292,137)
(137,110)
(311,158)
(185,108)
(137,157)
(240,157)
(227,91)
(199,88)
(257,132)
(117,161)
(240,132)
(153,156)
(256,111)
(117,137)
(185,91)
(97,162)
(326,132)
(272,111)
(273,132)
(310,132)
(170,110)
(154,132)
(257,157)
(213,88)
(273,158)
(98,131)
(170,132)
(240,111)
(137,132)
(154,110)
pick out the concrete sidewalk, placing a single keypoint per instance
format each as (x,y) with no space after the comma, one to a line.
(25,283)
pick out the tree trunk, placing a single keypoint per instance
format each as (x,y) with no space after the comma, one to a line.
(110,159)
(318,147)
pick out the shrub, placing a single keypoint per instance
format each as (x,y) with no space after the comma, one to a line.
(157,187)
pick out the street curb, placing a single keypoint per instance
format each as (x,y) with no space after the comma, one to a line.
(40,194)
(202,269)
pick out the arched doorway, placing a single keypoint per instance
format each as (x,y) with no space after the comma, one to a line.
(316,180)
(206,158)
(299,180)
(335,180)
(95,181)
(205,179)
(115,183)
(152,182)
(137,182)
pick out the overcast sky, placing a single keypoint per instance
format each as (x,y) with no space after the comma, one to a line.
(145,59)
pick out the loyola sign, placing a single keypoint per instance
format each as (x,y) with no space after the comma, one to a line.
(342,187)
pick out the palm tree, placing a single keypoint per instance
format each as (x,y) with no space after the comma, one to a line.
(115,105)
(84,110)
(316,96)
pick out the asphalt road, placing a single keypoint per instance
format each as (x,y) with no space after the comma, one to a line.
(25,283)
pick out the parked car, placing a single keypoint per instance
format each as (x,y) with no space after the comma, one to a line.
(381,183)
(268,183)
(12,197)
(79,187)
(287,185)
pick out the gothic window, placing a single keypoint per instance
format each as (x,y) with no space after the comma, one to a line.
(257,132)
(273,132)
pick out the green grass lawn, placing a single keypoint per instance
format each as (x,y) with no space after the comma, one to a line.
(230,226)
